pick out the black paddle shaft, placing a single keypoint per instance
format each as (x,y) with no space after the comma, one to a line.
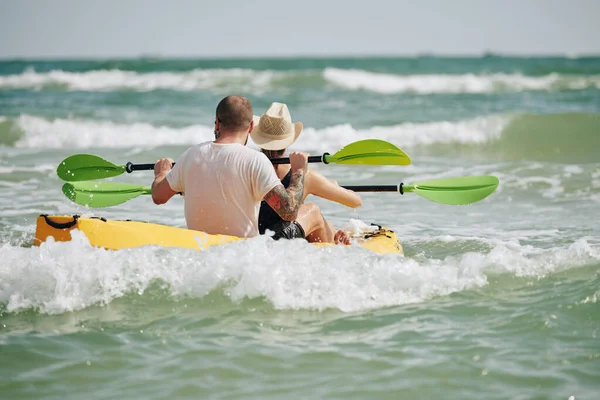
(311,159)
(130,167)
(376,188)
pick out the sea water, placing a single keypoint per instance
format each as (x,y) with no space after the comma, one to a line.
(495,300)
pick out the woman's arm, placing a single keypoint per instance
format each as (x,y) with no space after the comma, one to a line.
(316,184)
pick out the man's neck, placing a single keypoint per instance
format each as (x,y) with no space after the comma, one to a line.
(231,138)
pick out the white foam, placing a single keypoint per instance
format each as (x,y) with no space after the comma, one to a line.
(357,228)
(80,133)
(257,81)
(521,260)
(77,133)
(61,277)
(115,79)
(476,130)
(572,170)
(593,299)
(9,169)
(354,79)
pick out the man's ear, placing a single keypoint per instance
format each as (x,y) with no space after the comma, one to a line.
(251,127)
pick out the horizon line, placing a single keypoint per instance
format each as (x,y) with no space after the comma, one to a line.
(424,54)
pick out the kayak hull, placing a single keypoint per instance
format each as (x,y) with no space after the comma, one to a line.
(122,234)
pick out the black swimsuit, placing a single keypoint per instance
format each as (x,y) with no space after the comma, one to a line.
(269,219)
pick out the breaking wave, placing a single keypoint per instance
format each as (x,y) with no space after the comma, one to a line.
(258,81)
(571,138)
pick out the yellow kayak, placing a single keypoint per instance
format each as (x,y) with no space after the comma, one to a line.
(122,234)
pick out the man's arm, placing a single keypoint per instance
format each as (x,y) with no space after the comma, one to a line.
(161,190)
(287,202)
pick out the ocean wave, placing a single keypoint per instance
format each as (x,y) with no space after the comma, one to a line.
(63,277)
(37,132)
(115,79)
(476,130)
(258,81)
(570,138)
(29,131)
(11,169)
(354,79)
(565,138)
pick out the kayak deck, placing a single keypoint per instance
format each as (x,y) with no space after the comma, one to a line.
(122,234)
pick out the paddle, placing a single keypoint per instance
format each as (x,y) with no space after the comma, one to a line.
(86,167)
(102,194)
(455,191)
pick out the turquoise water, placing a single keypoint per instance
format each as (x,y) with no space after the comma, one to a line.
(495,300)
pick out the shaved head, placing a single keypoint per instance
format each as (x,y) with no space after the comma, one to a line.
(234,113)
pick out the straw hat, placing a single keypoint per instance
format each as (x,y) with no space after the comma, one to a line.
(274,129)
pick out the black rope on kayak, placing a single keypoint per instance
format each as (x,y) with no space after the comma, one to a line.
(379,232)
(59,225)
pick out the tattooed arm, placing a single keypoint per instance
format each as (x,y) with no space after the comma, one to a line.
(286,202)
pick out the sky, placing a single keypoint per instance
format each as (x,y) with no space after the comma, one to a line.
(249,28)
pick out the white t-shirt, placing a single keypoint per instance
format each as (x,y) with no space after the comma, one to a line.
(223,185)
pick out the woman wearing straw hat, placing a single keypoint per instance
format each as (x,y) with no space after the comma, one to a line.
(273,133)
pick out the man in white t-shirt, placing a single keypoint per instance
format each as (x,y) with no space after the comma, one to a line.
(223,181)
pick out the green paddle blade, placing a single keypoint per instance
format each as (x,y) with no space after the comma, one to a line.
(85,167)
(370,152)
(102,194)
(456,191)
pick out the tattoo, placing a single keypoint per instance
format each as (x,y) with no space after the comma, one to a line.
(286,202)
(296,188)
